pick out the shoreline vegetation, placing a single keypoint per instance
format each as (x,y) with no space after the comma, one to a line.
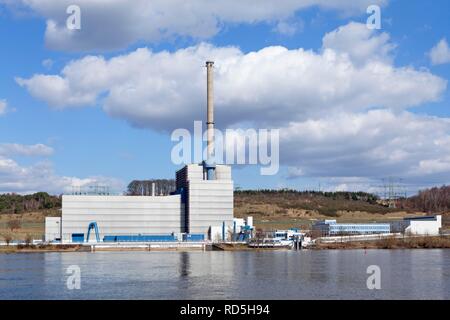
(439,242)
(390,243)
(23,248)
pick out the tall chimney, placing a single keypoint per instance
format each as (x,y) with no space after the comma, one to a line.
(210,110)
(209,165)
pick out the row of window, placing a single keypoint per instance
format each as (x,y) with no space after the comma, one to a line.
(359,227)
(359,232)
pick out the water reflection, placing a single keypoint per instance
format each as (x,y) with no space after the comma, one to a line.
(406,274)
(184,265)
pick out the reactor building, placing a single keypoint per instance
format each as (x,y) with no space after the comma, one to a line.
(202,204)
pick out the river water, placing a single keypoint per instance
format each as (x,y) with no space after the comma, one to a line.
(405,274)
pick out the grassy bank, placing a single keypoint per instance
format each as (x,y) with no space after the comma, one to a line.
(390,243)
(32,224)
(41,248)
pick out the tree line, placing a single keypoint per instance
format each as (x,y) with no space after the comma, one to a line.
(433,200)
(339,195)
(16,203)
(163,187)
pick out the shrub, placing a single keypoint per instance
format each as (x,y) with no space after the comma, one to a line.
(7,237)
(28,239)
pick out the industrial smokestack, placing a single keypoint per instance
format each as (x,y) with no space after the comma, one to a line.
(210,108)
(209,164)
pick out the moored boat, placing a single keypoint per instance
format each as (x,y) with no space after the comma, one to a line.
(271,243)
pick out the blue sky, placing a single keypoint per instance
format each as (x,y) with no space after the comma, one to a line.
(104,139)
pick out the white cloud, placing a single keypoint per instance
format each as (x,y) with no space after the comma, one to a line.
(440,54)
(359,42)
(14,149)
(341,113)
(434,166)
(3,106)
(115,24)
(47,63)
(267,87)
(41,177)
(289,28)
(56,91)
(335,184)
(378,143)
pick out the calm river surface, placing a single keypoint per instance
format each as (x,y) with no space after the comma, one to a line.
(405,274)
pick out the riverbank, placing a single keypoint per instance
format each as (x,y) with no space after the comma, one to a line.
(440,242)
(390,243)
(42,248)
(92,247)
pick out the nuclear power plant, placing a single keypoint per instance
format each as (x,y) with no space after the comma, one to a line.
(201,207)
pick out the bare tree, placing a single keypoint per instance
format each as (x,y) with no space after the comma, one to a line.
(144,187)
(430,200)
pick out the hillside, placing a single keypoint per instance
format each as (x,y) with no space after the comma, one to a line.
(11,203)
(324,203)
(288,208)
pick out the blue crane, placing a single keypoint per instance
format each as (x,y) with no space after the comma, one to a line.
(93,225)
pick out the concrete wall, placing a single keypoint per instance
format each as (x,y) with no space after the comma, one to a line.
(122,215)
(223,172)
(215,234)
(209,202)
(52,228)
(425,227)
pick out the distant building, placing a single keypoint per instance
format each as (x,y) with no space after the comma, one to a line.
(332,228)
(52,229)
(429,225)
(426,226)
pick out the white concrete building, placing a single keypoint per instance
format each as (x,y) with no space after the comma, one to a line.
(208,203)
(198,206)
(121,215)
(52,229)
(426,226)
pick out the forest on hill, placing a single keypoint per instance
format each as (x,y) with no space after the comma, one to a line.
(15,203)
(325,203)
(433,200)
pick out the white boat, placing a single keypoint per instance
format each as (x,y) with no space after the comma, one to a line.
(271,243)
